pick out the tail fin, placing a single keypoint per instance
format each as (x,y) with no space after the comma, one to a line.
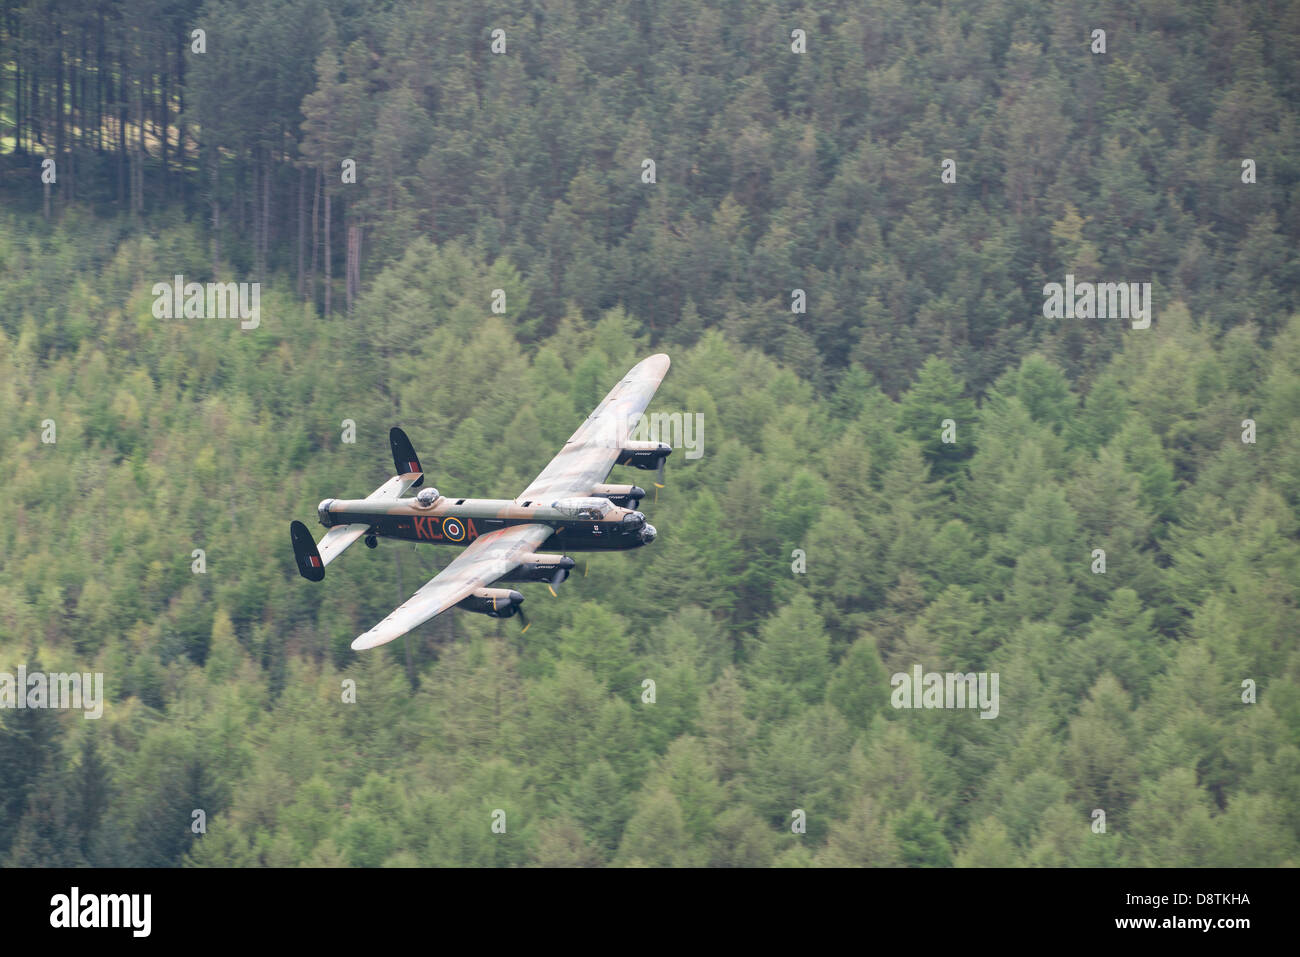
(305,552)
(404,458)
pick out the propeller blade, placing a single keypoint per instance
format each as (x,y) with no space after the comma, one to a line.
(523,618)
(659,474)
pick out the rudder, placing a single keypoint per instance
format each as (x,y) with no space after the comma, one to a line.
(404,457)
(306,553)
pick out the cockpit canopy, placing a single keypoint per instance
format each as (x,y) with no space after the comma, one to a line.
(591,509)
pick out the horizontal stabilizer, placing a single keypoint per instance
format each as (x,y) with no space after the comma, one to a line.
(338,538)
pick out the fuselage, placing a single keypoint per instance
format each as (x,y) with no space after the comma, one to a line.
(459,521)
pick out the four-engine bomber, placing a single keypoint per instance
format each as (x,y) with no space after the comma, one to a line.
(567,508)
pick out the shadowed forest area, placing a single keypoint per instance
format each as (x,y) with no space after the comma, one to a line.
(828,537)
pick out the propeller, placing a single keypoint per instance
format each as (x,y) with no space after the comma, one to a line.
(514,606)
(560,575)
(659,477)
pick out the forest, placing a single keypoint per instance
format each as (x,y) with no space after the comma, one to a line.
(918,468)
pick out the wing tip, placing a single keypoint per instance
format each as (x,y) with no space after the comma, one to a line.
(655,365)
(369,640)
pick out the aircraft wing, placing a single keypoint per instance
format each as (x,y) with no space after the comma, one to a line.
(484,561)
(590,453)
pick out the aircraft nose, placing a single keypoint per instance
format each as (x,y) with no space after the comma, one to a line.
(648,534)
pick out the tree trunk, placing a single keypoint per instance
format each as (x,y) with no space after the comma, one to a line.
(16,38)
(257,217)
(266,211)
(58,96)
(329,269)
(74,127)
(33,81)
(180,113)
(353,269)
(18,105)
(83,135)
(139,138)
(216,213)
(99,87)
(162,104)
(315,237)
(121,138)
(302,224)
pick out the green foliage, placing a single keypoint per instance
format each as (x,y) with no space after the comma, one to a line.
(771,678)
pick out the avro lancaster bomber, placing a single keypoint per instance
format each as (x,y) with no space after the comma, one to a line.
(567,508)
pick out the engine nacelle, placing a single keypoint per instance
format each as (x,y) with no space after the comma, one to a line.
(493,602)
(624,496)
(537,567)
(647,456)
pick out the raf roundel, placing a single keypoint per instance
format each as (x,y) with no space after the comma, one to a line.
(453,529)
